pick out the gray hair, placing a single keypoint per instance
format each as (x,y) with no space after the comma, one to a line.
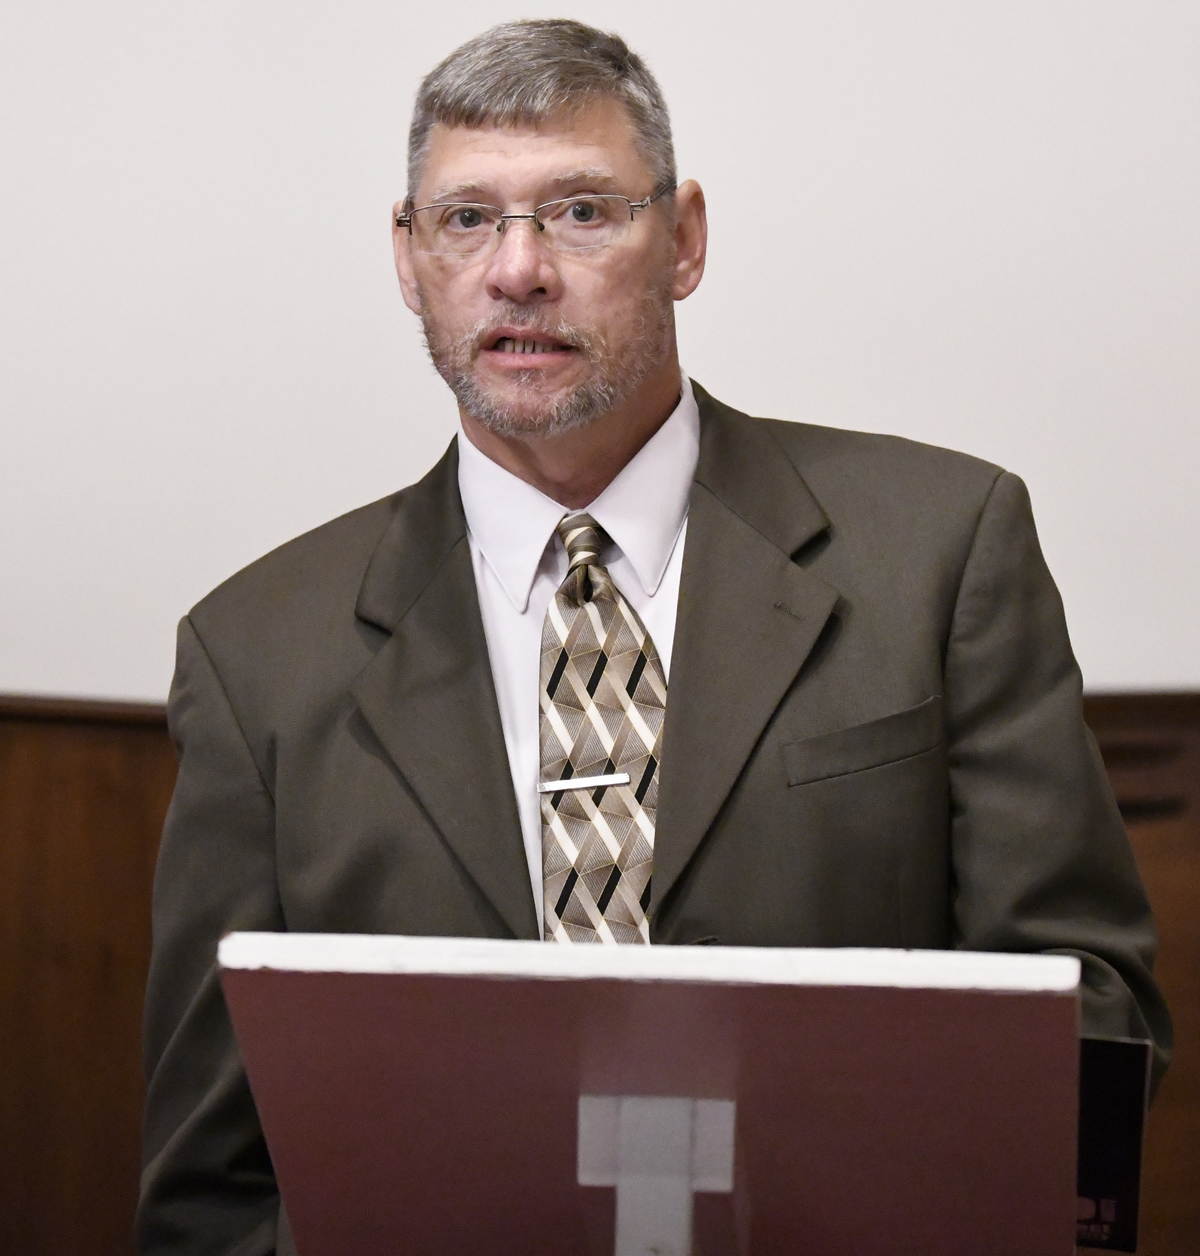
(524,73)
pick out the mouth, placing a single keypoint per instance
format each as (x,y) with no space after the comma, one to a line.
(507,342)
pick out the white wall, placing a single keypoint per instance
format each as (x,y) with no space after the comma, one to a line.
(974,224)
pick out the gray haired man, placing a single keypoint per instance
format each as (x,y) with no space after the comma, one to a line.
(627,666)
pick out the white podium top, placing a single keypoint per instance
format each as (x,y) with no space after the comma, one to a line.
(727,965)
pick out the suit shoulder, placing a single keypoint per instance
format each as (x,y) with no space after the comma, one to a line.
(884,488)
(874,487)
(873,458)
(841,460)
(325,564)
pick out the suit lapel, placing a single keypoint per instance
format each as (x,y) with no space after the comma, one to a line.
(428,694)
(748,618)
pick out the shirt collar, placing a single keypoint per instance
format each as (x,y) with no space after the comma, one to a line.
(643,509)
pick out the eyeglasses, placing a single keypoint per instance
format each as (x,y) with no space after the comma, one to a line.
(465,229)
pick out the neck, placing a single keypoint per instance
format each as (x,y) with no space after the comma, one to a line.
(574,468)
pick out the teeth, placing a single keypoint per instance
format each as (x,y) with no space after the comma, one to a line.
(506,344)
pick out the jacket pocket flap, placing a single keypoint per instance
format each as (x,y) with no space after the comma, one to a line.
(869,745)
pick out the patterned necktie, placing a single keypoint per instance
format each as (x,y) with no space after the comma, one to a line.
(603,699)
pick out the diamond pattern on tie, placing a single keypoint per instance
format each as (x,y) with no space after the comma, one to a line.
(603,699)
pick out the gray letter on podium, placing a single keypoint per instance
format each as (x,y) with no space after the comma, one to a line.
(657,1152)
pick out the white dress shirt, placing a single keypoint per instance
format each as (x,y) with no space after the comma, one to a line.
(519,563)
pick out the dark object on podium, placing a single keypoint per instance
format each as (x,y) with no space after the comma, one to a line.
(1114,1088)
(450,1096)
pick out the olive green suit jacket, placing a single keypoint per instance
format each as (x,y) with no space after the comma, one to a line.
(873,738)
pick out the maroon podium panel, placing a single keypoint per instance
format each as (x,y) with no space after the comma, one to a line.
(879,1108)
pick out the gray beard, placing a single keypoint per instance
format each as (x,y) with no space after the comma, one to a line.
(612,381)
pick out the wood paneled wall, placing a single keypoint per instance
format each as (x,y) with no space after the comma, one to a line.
(83,792)
(84,788)
(1151,747)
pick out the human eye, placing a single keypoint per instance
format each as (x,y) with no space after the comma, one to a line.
(583,211)
(585,222)
(464,217)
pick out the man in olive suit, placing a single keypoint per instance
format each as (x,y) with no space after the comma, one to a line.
(626,666)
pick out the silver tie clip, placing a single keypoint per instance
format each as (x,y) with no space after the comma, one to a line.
(583,782)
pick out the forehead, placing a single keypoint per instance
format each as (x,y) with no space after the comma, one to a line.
(523,162)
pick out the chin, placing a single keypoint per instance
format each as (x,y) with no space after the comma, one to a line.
(525,411)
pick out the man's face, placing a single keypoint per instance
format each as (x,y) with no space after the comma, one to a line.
(600,319)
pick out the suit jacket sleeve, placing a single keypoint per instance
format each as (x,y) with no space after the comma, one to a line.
(1041,858)
(207,1184)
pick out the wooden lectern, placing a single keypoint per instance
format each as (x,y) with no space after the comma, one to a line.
(451,1097)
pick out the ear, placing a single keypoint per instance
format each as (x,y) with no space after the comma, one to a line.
(402,248)
(691,238)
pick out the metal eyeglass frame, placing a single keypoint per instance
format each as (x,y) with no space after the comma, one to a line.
(405,219)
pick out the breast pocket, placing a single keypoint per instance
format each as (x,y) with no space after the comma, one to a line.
(871,745)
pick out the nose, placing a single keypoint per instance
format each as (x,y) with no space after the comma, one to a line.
(522,268)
